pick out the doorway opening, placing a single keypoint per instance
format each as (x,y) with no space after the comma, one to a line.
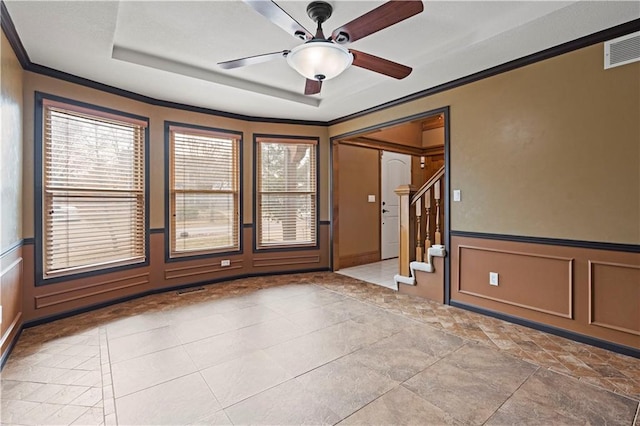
(367,166)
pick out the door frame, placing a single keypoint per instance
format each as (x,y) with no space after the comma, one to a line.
(334,168)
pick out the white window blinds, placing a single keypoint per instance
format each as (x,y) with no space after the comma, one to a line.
(286,186)
(204,191)
(93,190)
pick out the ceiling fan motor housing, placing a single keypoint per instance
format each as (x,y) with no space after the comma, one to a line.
(319,11)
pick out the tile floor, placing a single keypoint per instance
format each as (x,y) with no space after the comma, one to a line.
(317,348)
(380,273)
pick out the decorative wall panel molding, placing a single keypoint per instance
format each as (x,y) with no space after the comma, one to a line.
(102,287)
(526,280)
(614,296)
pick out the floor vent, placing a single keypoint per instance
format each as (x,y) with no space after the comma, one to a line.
(189,290)
(622,50)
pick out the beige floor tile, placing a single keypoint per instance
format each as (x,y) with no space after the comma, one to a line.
(250,315)
(32,373)
(217,349)
(293,304)
(201,328)
(71,377)
(66,415)
(91,379)
(246,376)
(286,404)
(312,350)
(491,365)
(15,411)
(92,417)
(561,399)
(11,389)
(219,418)
(38,415)
(180,401)
(91,364)
(45,392)
(149,370)
(460,394)
(399,406)
(393,359)
(67,394)
(143,343)
(89,398)
(345,385)
(318,318)
(354,308)
(270,333)
(136,324)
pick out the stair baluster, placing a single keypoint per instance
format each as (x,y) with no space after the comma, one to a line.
(436,195)
(427,228)
(419,252)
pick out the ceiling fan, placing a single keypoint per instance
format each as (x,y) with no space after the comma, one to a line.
(321,58)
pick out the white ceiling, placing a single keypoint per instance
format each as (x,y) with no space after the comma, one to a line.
(169,50)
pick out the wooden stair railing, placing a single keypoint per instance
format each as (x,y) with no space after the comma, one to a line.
(421,217)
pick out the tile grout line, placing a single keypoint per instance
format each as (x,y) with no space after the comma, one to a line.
(513,393)
(108,394)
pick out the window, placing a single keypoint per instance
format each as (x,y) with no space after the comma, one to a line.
(204,186)
(93,190)
(287,192)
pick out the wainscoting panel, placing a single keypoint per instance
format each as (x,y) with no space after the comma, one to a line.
(87,291)
(614,296)
(285,260)
(11,273)
(588,290)
(199,271)
(530,281)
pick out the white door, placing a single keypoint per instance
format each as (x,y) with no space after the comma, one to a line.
(396,171)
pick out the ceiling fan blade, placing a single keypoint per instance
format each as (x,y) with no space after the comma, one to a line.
(380,65)
(278,16)
(378,19)
(312,87)
(251,60)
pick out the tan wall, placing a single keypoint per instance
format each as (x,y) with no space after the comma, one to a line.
(588,291)
(10,148)
(359,230)
(11,270)
(547,150)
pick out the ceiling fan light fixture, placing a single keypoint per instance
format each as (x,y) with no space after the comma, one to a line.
(320,58)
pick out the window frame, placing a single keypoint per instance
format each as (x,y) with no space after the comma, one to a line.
(39,164)
(257,139)
(169,256)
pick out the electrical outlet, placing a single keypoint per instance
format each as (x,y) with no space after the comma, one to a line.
(225,262)
(493,278)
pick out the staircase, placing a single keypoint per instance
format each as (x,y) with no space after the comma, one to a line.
(421,251)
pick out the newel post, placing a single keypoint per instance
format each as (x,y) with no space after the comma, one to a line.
(407,217)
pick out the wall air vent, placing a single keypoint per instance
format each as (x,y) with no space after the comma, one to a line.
(622,50)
